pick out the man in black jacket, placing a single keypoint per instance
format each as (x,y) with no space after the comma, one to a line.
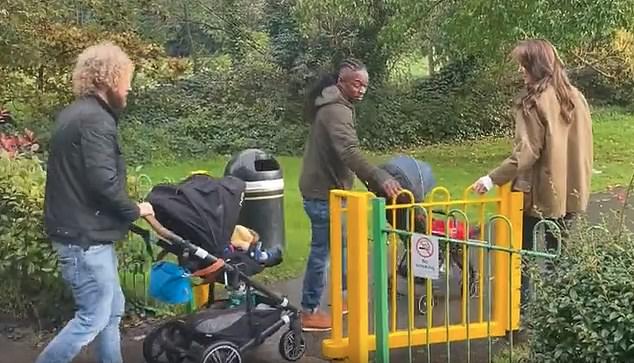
(87,208)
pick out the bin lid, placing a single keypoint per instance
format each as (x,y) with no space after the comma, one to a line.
(254,165)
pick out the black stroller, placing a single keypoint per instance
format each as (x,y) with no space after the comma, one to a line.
(194,221)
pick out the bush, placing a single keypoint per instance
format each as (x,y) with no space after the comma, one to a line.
(28,267)
(460,102)
(582,310)
(226,109)
(610,78)
(212,112)
(601,90)
(520,355)
(32,287)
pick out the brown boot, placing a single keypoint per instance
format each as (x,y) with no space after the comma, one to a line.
(316,321)
(344,307)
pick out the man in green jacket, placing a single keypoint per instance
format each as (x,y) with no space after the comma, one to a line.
(331,159)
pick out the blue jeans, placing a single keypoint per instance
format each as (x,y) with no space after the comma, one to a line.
(319,257)
(93,279)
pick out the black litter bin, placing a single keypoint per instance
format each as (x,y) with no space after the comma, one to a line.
(263,206)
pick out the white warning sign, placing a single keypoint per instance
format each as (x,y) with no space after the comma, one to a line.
(425,256)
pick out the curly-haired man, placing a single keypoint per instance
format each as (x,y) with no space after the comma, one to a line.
(87,207)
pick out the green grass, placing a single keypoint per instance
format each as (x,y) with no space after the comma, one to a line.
(455,166)
(613,151)
(411,66)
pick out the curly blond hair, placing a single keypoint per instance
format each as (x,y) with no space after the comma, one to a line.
(99,67)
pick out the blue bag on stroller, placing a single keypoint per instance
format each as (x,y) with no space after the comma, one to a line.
(170,283)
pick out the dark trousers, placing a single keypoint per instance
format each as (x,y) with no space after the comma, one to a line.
(551,239)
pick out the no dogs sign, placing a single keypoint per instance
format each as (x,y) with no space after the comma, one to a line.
(425,256)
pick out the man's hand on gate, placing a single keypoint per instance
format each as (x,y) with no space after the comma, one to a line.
(392,188)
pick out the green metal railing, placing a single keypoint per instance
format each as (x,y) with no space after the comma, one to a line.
(492,252)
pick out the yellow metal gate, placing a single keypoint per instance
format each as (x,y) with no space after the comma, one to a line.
(489,301)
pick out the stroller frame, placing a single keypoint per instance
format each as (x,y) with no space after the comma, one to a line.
(175,338)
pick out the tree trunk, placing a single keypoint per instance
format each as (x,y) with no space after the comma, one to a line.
(190,39)
(431,58)
(40,78)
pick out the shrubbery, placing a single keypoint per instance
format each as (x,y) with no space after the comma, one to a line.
(222,111)
(601,90)
(28,267)
(607,74)
(460,102)
(32,287)
(214,112)
(583,310)
(225,105)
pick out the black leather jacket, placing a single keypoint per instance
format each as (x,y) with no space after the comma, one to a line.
(86,200)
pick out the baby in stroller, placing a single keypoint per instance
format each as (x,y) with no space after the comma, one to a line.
(416,177)
(196,221)
(247,240)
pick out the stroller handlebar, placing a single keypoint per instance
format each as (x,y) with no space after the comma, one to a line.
(162,231)
(174,238)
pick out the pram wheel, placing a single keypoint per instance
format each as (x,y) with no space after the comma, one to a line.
(292,347)
(473,289)
(166,344)
(422,304)
(221,352)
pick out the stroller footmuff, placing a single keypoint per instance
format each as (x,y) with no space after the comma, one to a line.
(195,221)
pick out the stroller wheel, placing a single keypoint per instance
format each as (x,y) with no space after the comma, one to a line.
(292,346)
(166,344)
(221,352)
(422,304)
(473,289)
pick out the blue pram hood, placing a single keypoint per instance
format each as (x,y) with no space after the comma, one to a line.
(413,175)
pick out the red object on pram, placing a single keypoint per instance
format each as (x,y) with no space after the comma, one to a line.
(454,229)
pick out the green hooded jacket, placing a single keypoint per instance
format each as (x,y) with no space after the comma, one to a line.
(332,155)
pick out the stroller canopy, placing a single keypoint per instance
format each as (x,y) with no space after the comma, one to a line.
(201,209)
(413,175)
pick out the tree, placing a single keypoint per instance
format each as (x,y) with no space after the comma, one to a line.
(338,29)
(39,42)
(489,29)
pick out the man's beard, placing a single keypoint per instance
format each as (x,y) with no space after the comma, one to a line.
(116,102)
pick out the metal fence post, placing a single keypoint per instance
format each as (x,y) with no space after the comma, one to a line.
(380,281)
(358,324)
(501,265)
(336,266)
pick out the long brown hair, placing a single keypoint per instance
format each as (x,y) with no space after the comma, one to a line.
(540,59)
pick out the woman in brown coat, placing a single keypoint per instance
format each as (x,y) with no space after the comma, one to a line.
(551,161)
